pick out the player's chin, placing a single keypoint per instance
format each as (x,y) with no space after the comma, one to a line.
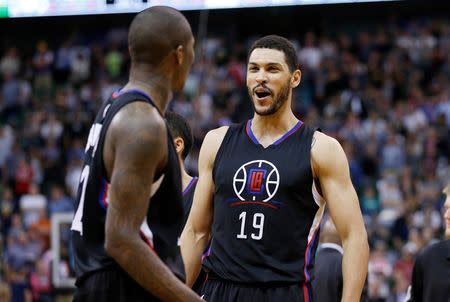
(264,110)
(262,106)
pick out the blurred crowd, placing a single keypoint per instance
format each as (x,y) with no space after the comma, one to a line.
(383,92)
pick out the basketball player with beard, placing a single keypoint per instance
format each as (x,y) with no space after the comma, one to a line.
(262,190)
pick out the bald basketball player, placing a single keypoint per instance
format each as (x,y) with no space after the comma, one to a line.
(129,206)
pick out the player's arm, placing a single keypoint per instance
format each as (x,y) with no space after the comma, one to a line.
(330,166)
(197,232)
(139,145)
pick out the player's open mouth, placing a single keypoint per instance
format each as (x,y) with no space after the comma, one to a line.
(262,93)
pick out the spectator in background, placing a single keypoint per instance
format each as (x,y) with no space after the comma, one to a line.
(36,165)
(42,64)
(310,55)
(21,251)
(62,62)
(404,264)
(20,286)
(6,143)
(40,283)
(39,231)
(379,269)
(114,61)
(52,156)
(393,154)
(10,63)
(10,94)
(7,208)
(52,128)
(370,203)
(31,133)
(80,66)
(30,205)
(16,227)
(23,177)
(59,202)
(5,292)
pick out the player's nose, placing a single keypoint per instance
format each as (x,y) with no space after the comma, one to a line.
(261,77)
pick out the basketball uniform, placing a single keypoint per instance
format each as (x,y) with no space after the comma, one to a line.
(99,277)
(188,198)
(188,195)
(267,213)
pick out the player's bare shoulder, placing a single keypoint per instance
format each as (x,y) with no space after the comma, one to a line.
(137,130)
(212,142)
(136,116)
(326,152)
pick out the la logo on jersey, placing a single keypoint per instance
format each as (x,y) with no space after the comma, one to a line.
(257,180)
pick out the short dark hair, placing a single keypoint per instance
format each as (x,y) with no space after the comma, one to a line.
(156,31)
(281,44)
(179,127)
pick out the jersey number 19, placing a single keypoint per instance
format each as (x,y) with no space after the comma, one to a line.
(258,224)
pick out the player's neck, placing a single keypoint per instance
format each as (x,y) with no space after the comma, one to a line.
(273,125)
(157,87)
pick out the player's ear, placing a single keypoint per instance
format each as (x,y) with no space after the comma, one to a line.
(296,78)
(179,144)
(179,52)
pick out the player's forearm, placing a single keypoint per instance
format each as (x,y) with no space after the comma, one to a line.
(144,266)
(354,265)
(192,247)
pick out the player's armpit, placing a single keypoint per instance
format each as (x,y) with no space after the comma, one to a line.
(197,232)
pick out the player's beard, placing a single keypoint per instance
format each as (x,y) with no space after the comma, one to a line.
(278,100)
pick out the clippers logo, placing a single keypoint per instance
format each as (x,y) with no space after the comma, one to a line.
(256,180)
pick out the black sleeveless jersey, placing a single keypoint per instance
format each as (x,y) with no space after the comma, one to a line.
(163,223)
(188,198)
(267,211)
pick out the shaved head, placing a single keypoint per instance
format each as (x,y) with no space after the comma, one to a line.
(155,32)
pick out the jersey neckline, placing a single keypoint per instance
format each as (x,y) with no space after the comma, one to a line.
(252,137)
(189,186)
(121,91)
